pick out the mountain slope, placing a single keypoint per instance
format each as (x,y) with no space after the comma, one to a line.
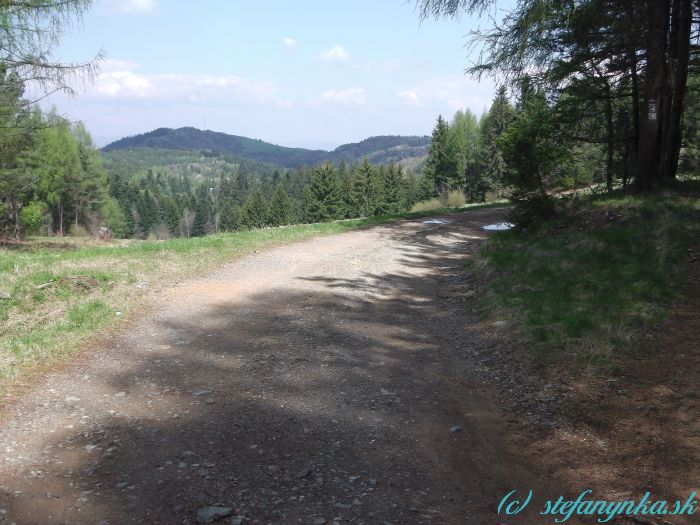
(195,139)
(379,150)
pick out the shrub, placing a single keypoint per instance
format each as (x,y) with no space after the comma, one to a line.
(113,217)
(456,199)
(429,205)
(531,210)
(78,230)
(31,217)
(161,232)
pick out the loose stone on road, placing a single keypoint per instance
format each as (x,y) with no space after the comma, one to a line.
(325,381)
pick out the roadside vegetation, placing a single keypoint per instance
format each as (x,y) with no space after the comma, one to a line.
(57,293)
(583,286)
(591,96)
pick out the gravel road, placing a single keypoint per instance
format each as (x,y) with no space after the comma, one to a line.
(326,381)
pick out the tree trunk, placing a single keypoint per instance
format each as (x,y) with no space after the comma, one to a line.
(625,164)
(60,219)
(14,216)
(634,65)
(679,48)
(650,129)
(610,138)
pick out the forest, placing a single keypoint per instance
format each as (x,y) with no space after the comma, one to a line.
(594,101)
(606,91)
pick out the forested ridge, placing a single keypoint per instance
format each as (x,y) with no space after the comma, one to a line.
(596,94)
(382,149)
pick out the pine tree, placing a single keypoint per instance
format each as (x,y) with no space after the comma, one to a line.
(202,211)
(493,124)
(322,200)
(360,192)
(393,189)
(378,191)
(171,214)
(241,188)
(345,181)
(254,213)
(280,211)
(440,166)
(228,208)
(148,212)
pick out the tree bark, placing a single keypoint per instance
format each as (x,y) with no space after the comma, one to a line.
(650,129)
(60,219)
(610,137)
(679,50)
(14,214)
(634,65)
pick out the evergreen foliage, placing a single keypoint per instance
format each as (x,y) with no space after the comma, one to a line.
(280,210)
(323,199)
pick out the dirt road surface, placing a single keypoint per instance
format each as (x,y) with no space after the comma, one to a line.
(324,381)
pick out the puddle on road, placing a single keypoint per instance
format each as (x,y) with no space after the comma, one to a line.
(499,226)
(436,221)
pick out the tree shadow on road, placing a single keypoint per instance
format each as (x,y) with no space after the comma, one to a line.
(350,397)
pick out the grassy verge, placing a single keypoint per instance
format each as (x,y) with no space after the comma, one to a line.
(581,287)
(63,291)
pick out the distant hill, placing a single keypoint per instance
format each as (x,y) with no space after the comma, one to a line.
(137,162)
(380,150)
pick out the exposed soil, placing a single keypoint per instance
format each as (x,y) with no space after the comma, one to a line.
(638,431)
(344,379)
(331,380)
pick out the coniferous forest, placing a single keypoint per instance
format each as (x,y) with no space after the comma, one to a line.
(608,106)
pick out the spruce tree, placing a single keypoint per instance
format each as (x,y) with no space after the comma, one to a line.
(440,166)
(360,193)
(148,212)
(254,213)
(393,189)
(280,211)
(227,205)
(203,210)
(323,200)
(378,191)
(171,214)
(492,126)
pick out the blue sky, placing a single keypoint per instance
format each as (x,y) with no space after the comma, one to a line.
(304,73)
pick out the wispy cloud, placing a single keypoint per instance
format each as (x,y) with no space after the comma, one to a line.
(341,55)
(409,98)
(289,42)
(335,54)
(129,6)
(457,92)
(351,97)
(120,79)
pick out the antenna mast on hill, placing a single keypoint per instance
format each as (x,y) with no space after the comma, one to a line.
(205,124)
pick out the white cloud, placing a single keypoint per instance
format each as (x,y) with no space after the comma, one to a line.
(383,66)
(119,79)
(289,42)
(409,98)
(335,54)
(354,97)
(129,6)
(455,92)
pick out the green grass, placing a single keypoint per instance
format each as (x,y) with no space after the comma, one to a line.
(64,291)
(581,287)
